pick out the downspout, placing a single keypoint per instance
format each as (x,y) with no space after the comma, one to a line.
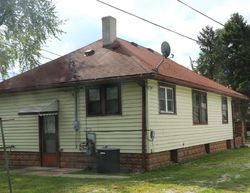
(76,124)
(233,121)
(144,127)
(76,104)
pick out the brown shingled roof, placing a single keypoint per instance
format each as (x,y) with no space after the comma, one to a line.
(122,59)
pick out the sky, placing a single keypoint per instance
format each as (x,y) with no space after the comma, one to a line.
(83,23)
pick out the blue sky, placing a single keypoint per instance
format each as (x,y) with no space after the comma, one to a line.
(83,23)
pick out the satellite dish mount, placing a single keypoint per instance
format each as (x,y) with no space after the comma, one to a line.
(165,50)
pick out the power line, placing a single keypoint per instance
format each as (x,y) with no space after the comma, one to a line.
(143,19)
(51,52)
(201,13)
(46,58)
(243,57)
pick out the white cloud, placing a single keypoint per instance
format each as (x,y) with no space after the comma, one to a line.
(84,23)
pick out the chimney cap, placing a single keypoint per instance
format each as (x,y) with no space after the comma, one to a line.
(108,16)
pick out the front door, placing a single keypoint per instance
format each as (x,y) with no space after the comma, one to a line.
(49,140)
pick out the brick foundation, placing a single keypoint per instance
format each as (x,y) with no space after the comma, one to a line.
(77,160)
(128,161)
(230,144)
(218,146)
(188,153)
(157,160)
(22,159)
(131,162)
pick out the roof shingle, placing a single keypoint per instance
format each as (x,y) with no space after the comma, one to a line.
(121,59)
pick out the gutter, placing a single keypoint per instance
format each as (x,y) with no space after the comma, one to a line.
(135,77)
(152,75)
(198,86)
(233,122)
(144,127)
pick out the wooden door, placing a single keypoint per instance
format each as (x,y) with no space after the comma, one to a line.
(49,141)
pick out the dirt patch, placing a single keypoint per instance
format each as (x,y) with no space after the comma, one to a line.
(204,183)
(224,178)
(237,176)
(240,187)
(227,177)
(247,165)
(169,191)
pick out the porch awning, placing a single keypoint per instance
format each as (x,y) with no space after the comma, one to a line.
(40,109)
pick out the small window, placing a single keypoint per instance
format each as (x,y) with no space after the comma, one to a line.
(224,109)
(94,102)
(199,107)
(103,100)
(167,99)
(112,100)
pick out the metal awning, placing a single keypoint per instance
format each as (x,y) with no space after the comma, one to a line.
(41,109)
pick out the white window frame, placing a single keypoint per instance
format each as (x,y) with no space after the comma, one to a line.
(166,99)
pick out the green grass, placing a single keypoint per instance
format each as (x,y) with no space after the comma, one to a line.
(223,172)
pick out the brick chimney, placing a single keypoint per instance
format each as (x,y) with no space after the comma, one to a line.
(108,30)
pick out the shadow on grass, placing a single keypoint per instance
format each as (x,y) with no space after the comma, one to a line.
(93,171)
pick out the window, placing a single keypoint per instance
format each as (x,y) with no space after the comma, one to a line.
(199,107)
(167,99)
(103,100)
(94,102)
(49,134)
(224,109)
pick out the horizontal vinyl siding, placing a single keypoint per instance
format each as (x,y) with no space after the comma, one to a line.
(122,127)
(177,131)
(23,131)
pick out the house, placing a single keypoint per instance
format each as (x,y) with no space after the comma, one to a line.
(110,95)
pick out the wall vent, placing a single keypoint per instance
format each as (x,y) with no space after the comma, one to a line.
(207,148)
(174,156)
(89,52)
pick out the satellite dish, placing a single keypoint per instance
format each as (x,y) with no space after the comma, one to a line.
(165,49)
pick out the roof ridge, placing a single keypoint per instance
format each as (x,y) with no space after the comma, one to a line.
(144,67)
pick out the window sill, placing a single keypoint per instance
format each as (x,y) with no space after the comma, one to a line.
(167,113)
(104,115)
(200,123)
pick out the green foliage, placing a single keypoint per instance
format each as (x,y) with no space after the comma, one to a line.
(25,25)
(224,55)
(208,59)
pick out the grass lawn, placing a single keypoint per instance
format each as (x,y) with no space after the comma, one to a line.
(223,172)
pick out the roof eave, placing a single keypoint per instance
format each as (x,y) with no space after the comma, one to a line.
(80,82)
(197,86)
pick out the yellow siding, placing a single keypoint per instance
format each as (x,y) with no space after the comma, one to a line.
(23,131)
(178,131)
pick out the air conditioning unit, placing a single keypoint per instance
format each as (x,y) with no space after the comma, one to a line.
(108,160)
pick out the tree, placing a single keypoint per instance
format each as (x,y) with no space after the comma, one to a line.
(236,38)
(25,25)
(208,57)
(224,55)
